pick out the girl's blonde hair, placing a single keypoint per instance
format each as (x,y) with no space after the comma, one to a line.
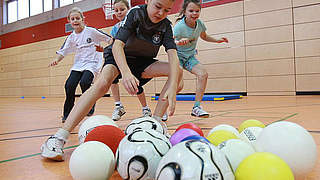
(77,10)
(125,2)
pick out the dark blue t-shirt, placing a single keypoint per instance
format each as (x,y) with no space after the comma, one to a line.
(141,36)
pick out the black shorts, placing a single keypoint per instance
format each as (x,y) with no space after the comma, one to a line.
(137,66)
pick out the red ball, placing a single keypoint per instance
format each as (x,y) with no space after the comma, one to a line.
(107,134)
(191,126)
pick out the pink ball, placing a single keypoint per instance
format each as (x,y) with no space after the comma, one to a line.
(179,135)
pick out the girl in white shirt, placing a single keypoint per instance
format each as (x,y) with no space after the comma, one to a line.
(83,41)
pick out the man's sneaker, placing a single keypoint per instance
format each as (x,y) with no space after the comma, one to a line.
(53,149)
(117,113)
(146,112)
(199,112)
(164,117)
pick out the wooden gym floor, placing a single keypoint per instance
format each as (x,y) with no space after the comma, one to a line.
(26,123)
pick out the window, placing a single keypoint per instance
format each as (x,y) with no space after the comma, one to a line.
(65,2)
(23,9)
(19,9)
(35,7)
(12,11)
(47,5)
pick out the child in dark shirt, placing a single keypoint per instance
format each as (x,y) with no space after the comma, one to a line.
(141,33)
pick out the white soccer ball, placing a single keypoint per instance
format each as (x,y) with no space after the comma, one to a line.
(236,150)
(91,123)
(139,153)
(144,123)
(193,160)
(250,135)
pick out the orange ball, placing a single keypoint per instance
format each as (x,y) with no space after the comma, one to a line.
(107,134)
(191,126)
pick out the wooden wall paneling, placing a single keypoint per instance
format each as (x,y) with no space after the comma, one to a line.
(270,51)
(269,35)
(258,6)
(308,65)
(268,19)
(270,67)
(306,14)
(308,82)
(307,48)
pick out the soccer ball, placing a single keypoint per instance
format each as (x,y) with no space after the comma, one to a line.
(194,159)
(144,123)
(139,153)
(92,122)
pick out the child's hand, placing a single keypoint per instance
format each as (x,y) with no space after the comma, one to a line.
(170,95)
(223,40)
(53,63)
(99,48)
(182,41)
(130,83)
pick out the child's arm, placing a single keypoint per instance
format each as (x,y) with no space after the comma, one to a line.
(182,41)
(130,82)
(57,60)
(173,80)
(208,38)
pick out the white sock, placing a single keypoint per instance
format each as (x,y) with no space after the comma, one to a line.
(145,107)
(63,134)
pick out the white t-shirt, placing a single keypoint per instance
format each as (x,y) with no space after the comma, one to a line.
(83,44)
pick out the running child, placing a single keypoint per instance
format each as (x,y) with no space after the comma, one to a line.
(83,41)
(186,32)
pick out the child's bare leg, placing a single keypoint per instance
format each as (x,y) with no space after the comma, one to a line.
(115,92)
(142,99)
(202,77)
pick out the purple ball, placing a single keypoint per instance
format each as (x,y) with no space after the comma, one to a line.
(181,134)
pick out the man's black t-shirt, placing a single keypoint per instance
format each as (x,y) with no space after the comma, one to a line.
(143,38)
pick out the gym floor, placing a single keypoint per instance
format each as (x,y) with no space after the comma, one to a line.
(26,123)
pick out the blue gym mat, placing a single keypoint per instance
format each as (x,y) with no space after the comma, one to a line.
(205,97)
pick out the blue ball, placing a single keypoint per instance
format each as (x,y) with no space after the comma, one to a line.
(195,137)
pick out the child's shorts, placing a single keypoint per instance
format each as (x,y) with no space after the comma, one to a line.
(188,63)
(137,66)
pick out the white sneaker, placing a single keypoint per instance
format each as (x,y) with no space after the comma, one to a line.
(146,112)
(164,117)
(199,112)
(118,112)
(53,149)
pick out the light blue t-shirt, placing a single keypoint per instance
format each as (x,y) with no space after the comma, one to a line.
(182,30)
(115,29)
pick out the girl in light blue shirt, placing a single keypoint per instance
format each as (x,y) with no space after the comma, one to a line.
(186,33)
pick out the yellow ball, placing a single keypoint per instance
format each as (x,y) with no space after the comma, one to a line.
(263,166)
(219,136)
(250,123)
